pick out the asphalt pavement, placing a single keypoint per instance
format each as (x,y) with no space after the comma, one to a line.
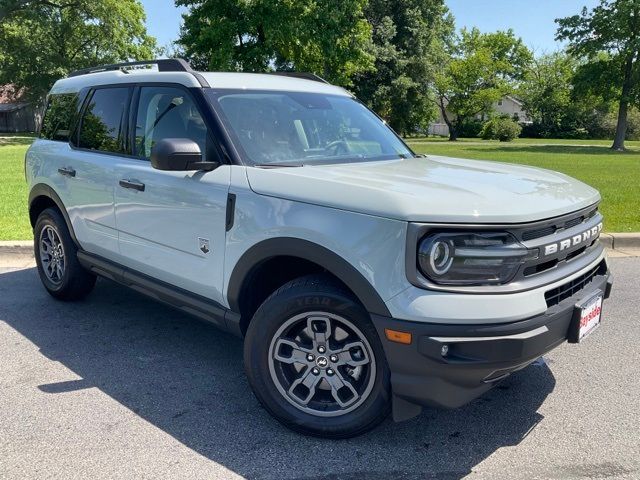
(119,387)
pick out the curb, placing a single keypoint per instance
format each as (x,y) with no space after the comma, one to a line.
(16,247)
(626,241)
(607,240)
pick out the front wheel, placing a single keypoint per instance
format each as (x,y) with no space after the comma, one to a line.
(315,362)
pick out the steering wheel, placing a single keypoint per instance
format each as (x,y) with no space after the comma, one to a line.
(339,147)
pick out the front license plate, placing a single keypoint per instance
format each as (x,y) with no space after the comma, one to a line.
(587,318)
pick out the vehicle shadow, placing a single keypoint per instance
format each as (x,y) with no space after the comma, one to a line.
(186,378)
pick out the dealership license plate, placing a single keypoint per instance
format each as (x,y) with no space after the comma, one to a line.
(588,318)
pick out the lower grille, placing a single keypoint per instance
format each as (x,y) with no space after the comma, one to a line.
(569,289)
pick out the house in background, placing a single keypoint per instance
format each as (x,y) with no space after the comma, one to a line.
(16,115)
(508,105)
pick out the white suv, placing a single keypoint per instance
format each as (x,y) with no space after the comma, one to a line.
(364,278)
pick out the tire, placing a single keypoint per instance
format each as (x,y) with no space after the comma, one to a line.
(296,321)
(56,257)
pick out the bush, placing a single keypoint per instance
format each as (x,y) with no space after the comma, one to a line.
(501,128)
(532,130)
(470,128)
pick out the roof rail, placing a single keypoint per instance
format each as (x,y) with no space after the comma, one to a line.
(303,75)
(164,65)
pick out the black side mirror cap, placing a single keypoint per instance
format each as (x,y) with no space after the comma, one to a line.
(179,154)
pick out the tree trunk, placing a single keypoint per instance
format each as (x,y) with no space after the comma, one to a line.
(39,108)
(453,133)
(621,127)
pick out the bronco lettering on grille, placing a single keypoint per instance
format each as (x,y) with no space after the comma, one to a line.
(587,235)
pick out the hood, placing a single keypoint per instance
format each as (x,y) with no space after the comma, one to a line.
(432,189)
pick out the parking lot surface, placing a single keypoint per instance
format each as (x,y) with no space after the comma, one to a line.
(118,386)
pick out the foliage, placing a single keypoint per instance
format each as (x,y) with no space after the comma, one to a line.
(604,125)
(501,128)
(406,42)
(633,124)
(470,128)
(563,100)
(330,38)
(42,41)
(609,37)
(546,93)
(481,69)
(60,111)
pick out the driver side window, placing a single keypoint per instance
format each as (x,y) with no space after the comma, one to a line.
(167,112)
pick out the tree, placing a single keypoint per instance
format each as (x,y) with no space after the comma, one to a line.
(42,41)
(612,28)
(546,92)
(406,36)
(563,100)
(480,69)
(330,38)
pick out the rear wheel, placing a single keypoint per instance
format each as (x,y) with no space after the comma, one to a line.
(315,362)
(56,257)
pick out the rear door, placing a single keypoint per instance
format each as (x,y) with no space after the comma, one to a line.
(89,168)
(172,224)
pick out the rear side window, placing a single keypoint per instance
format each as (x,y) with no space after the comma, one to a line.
(102,120)
(59,116)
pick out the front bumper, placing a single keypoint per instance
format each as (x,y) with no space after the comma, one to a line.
(478,355)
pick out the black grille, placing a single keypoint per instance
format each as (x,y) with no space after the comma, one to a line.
(569,289)
(542,232)
(574,222)
(559,224)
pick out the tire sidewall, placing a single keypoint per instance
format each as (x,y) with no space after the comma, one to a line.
(263,327)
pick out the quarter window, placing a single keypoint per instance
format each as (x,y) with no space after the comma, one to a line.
(102,120)
(58,119)
(167,112)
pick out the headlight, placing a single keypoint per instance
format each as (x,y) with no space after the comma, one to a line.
(471,258)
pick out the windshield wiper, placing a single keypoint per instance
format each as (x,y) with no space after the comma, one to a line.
(278,165)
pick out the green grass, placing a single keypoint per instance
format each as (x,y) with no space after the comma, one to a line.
(523,141)
(616,175)
(14,220)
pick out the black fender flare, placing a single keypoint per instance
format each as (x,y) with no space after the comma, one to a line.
(304,249)
(44,190)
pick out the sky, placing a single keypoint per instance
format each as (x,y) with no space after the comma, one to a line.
(533,20)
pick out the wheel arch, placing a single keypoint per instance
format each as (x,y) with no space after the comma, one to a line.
(41,197)
(305,251)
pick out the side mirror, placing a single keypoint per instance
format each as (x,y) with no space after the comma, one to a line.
(178,154)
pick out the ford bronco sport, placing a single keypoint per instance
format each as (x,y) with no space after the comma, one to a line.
(364,279)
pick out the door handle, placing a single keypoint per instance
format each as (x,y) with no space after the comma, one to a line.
(132,184)
(67,171)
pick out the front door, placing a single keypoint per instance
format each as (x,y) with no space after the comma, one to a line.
(171,225)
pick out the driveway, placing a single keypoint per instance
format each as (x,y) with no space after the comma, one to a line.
(118,386)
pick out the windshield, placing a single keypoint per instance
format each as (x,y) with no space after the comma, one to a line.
(291,128)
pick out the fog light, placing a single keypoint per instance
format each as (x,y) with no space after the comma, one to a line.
(445,350)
